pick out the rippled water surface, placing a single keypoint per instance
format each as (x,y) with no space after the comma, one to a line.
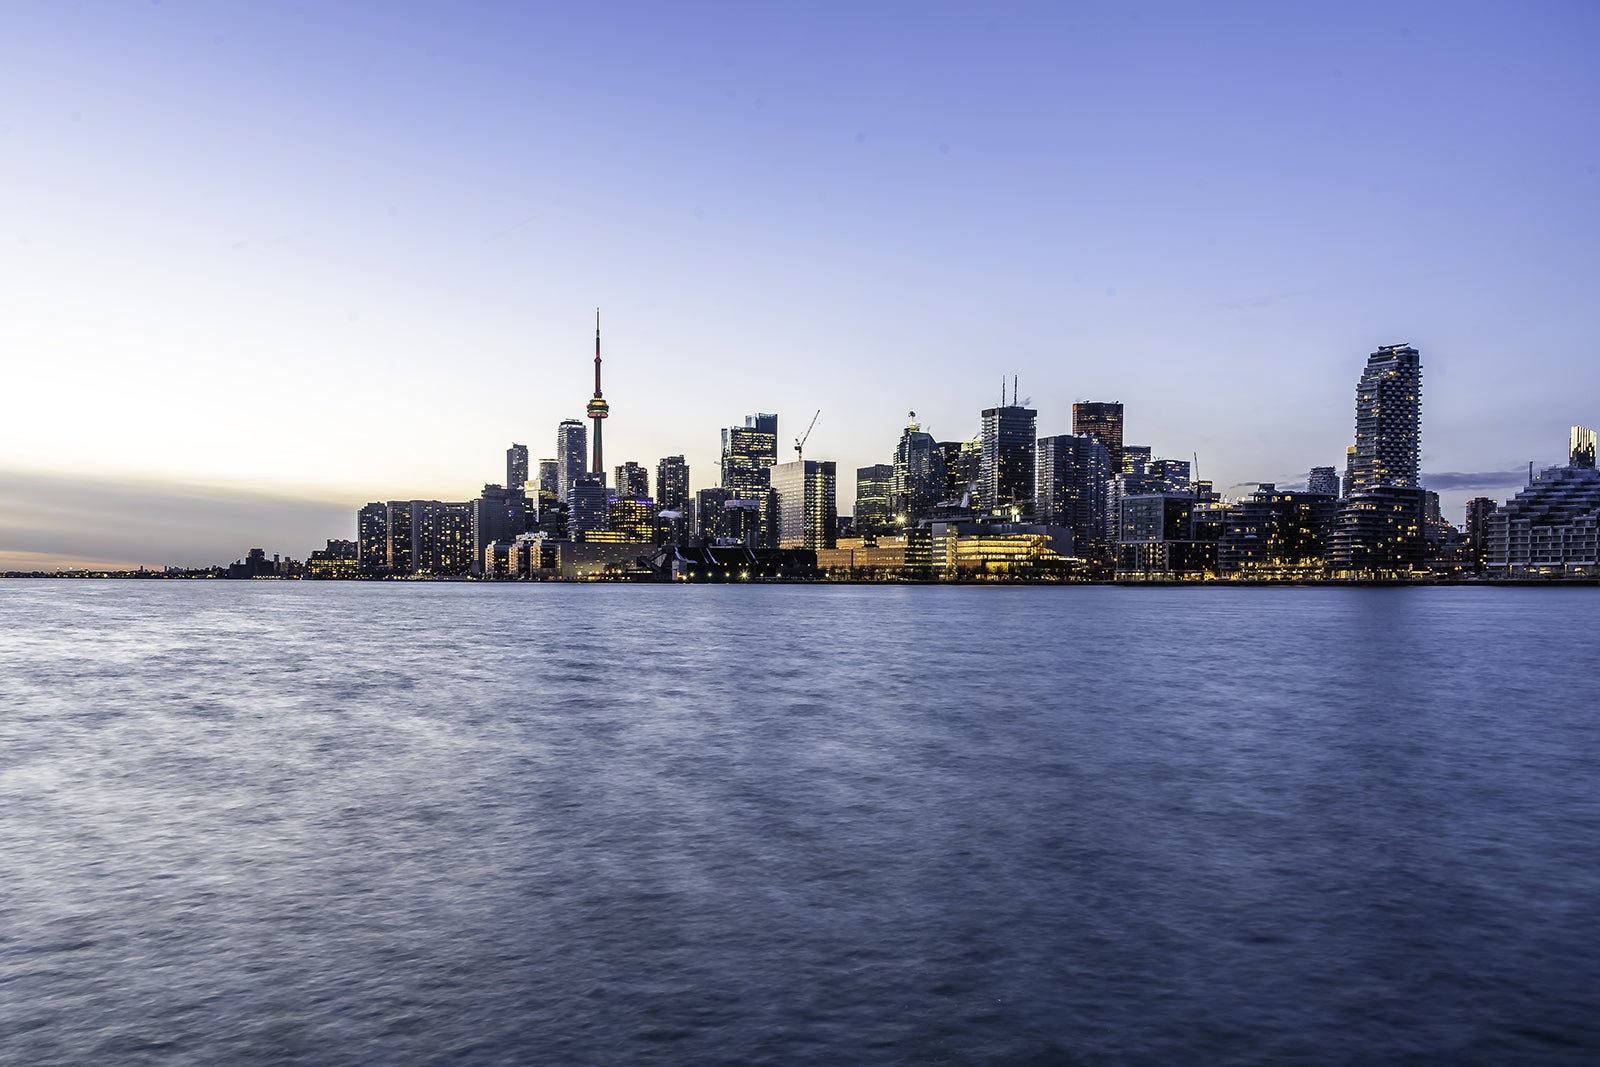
(250,823)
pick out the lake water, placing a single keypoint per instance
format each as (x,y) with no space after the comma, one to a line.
(275,822)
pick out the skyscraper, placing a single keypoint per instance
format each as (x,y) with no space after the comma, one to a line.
(672,484)
(963,465)
(872,511)
(372,540)
(587,501)
(1074,472)
(1380,529)
(632,480)
(919,478)
(748,454)
(1008,457)
(1388,420)
(572,455)
(517,467)
(1101,420)
(598,408)
(549,482)
(807,491)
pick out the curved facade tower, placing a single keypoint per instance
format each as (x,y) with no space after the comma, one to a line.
(598,408)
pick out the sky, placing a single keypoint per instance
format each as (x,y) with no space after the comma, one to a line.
(267,262)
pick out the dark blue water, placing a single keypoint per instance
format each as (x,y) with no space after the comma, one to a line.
(253,823)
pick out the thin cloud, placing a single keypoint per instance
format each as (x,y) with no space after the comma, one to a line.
(61,520)
(1446,481)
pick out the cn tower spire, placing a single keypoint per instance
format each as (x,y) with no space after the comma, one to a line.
(598,408)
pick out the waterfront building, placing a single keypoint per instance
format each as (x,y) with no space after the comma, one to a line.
(632,480)
(572,454)
(1273,535)
(441,538)
(806,491)
(1071,485)
(749,453)
(1157,539)
(919,479)
(587,503)
(1388,420)
(1103,422)
(397,532)
(517,467)
(372,540)
(873,514)
(1381,530)
(1007,473)
(1551,529)
(1323,481)
(632,517)
(340,560)
(993,551)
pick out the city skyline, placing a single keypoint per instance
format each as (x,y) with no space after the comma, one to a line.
(250,293)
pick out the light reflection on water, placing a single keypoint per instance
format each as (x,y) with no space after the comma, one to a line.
(396,823)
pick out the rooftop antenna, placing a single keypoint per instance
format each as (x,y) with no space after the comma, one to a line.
(1013,390)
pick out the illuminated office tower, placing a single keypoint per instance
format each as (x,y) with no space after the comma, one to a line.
(873,514)
(672,484)
(919,478)
(748,455)
(632,480)
(1006,478)
(587,501)
(807,491)
(633,518)
(517,467)
(1074,471)
(549,483)
(963,465)
(572,455)
(1103,422)
(372,540)
(1388,420)
(397,551)
(1324,481)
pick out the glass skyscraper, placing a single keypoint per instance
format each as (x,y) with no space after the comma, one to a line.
(748,455)
(1006,478)
(572,455)
(1103,422)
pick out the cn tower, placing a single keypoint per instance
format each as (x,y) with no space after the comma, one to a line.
(598,407)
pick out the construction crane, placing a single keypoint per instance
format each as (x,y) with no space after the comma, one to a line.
(800,442)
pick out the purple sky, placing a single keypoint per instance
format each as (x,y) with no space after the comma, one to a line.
(331,254)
